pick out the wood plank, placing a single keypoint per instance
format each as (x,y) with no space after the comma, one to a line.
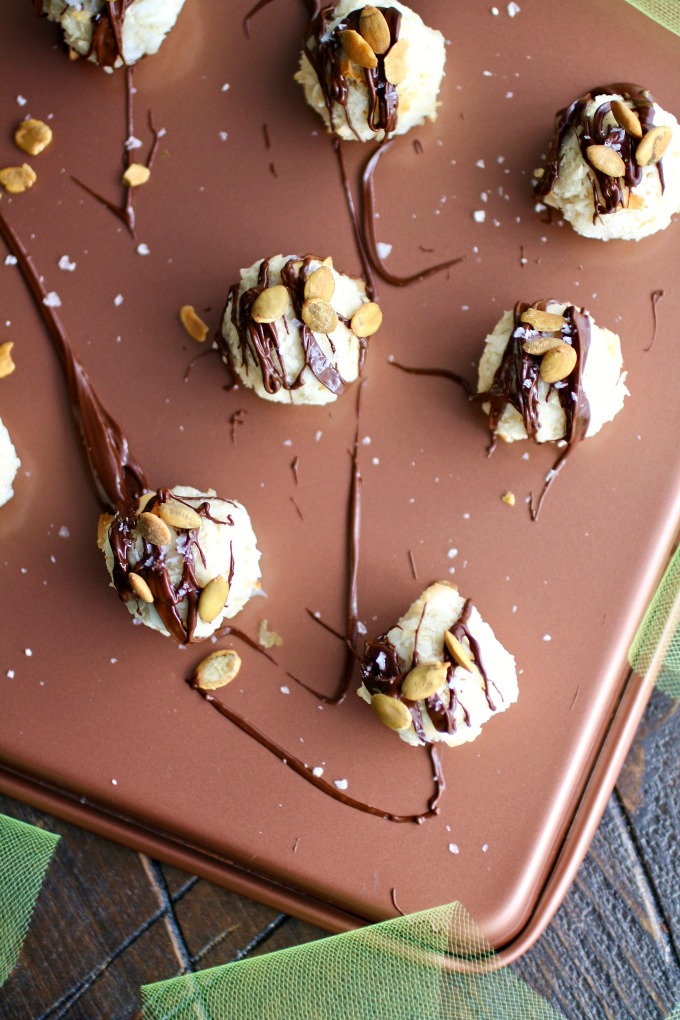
(611,950)
(649,790)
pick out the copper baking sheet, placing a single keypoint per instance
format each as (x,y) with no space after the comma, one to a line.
(97,721)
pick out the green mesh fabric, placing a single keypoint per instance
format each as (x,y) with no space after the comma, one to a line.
(674,1014)
(402,969)
(665,12)
(656,647)
(25,853)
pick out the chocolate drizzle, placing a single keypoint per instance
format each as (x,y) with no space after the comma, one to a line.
(609,193)
(107,30)
(117,476)
(259,341)
(369,235)
(364,228)
(307,774)
(323,48)
(382,673)
(107,34)
(126,210)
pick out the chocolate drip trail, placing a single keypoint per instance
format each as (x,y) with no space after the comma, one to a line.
(125,212)
(369,233)
(306,773)
(609,193)
(259,341)
(437,373)
(313,9)
(364,228)
(349,638)
(382,673)
(117,476)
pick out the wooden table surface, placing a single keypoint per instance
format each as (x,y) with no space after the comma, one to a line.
(109,920)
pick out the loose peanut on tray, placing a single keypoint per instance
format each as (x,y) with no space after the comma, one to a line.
(33,136)
(193,323)
(17,179)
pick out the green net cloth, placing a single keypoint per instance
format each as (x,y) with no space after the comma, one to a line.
(666,12)
(402,969)
(656,647)
(25,853)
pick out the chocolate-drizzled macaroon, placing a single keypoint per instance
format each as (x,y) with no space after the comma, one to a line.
(182,560)
(549,373)
(440,673)
(371,71)
(114,33)
(296,330)
(613,169)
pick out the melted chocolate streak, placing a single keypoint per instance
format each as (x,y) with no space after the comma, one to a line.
(369,234)
(126,211)
(117,476)
(120,480)
(107,48)
(349,638)
(306,773)
(608,192)
(655,296)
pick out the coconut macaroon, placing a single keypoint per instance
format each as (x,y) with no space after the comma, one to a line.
(295,330)
(113,34)
(440,674)
(549,373)
(371,72)
(613,169)
(9,465)
(182,560)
